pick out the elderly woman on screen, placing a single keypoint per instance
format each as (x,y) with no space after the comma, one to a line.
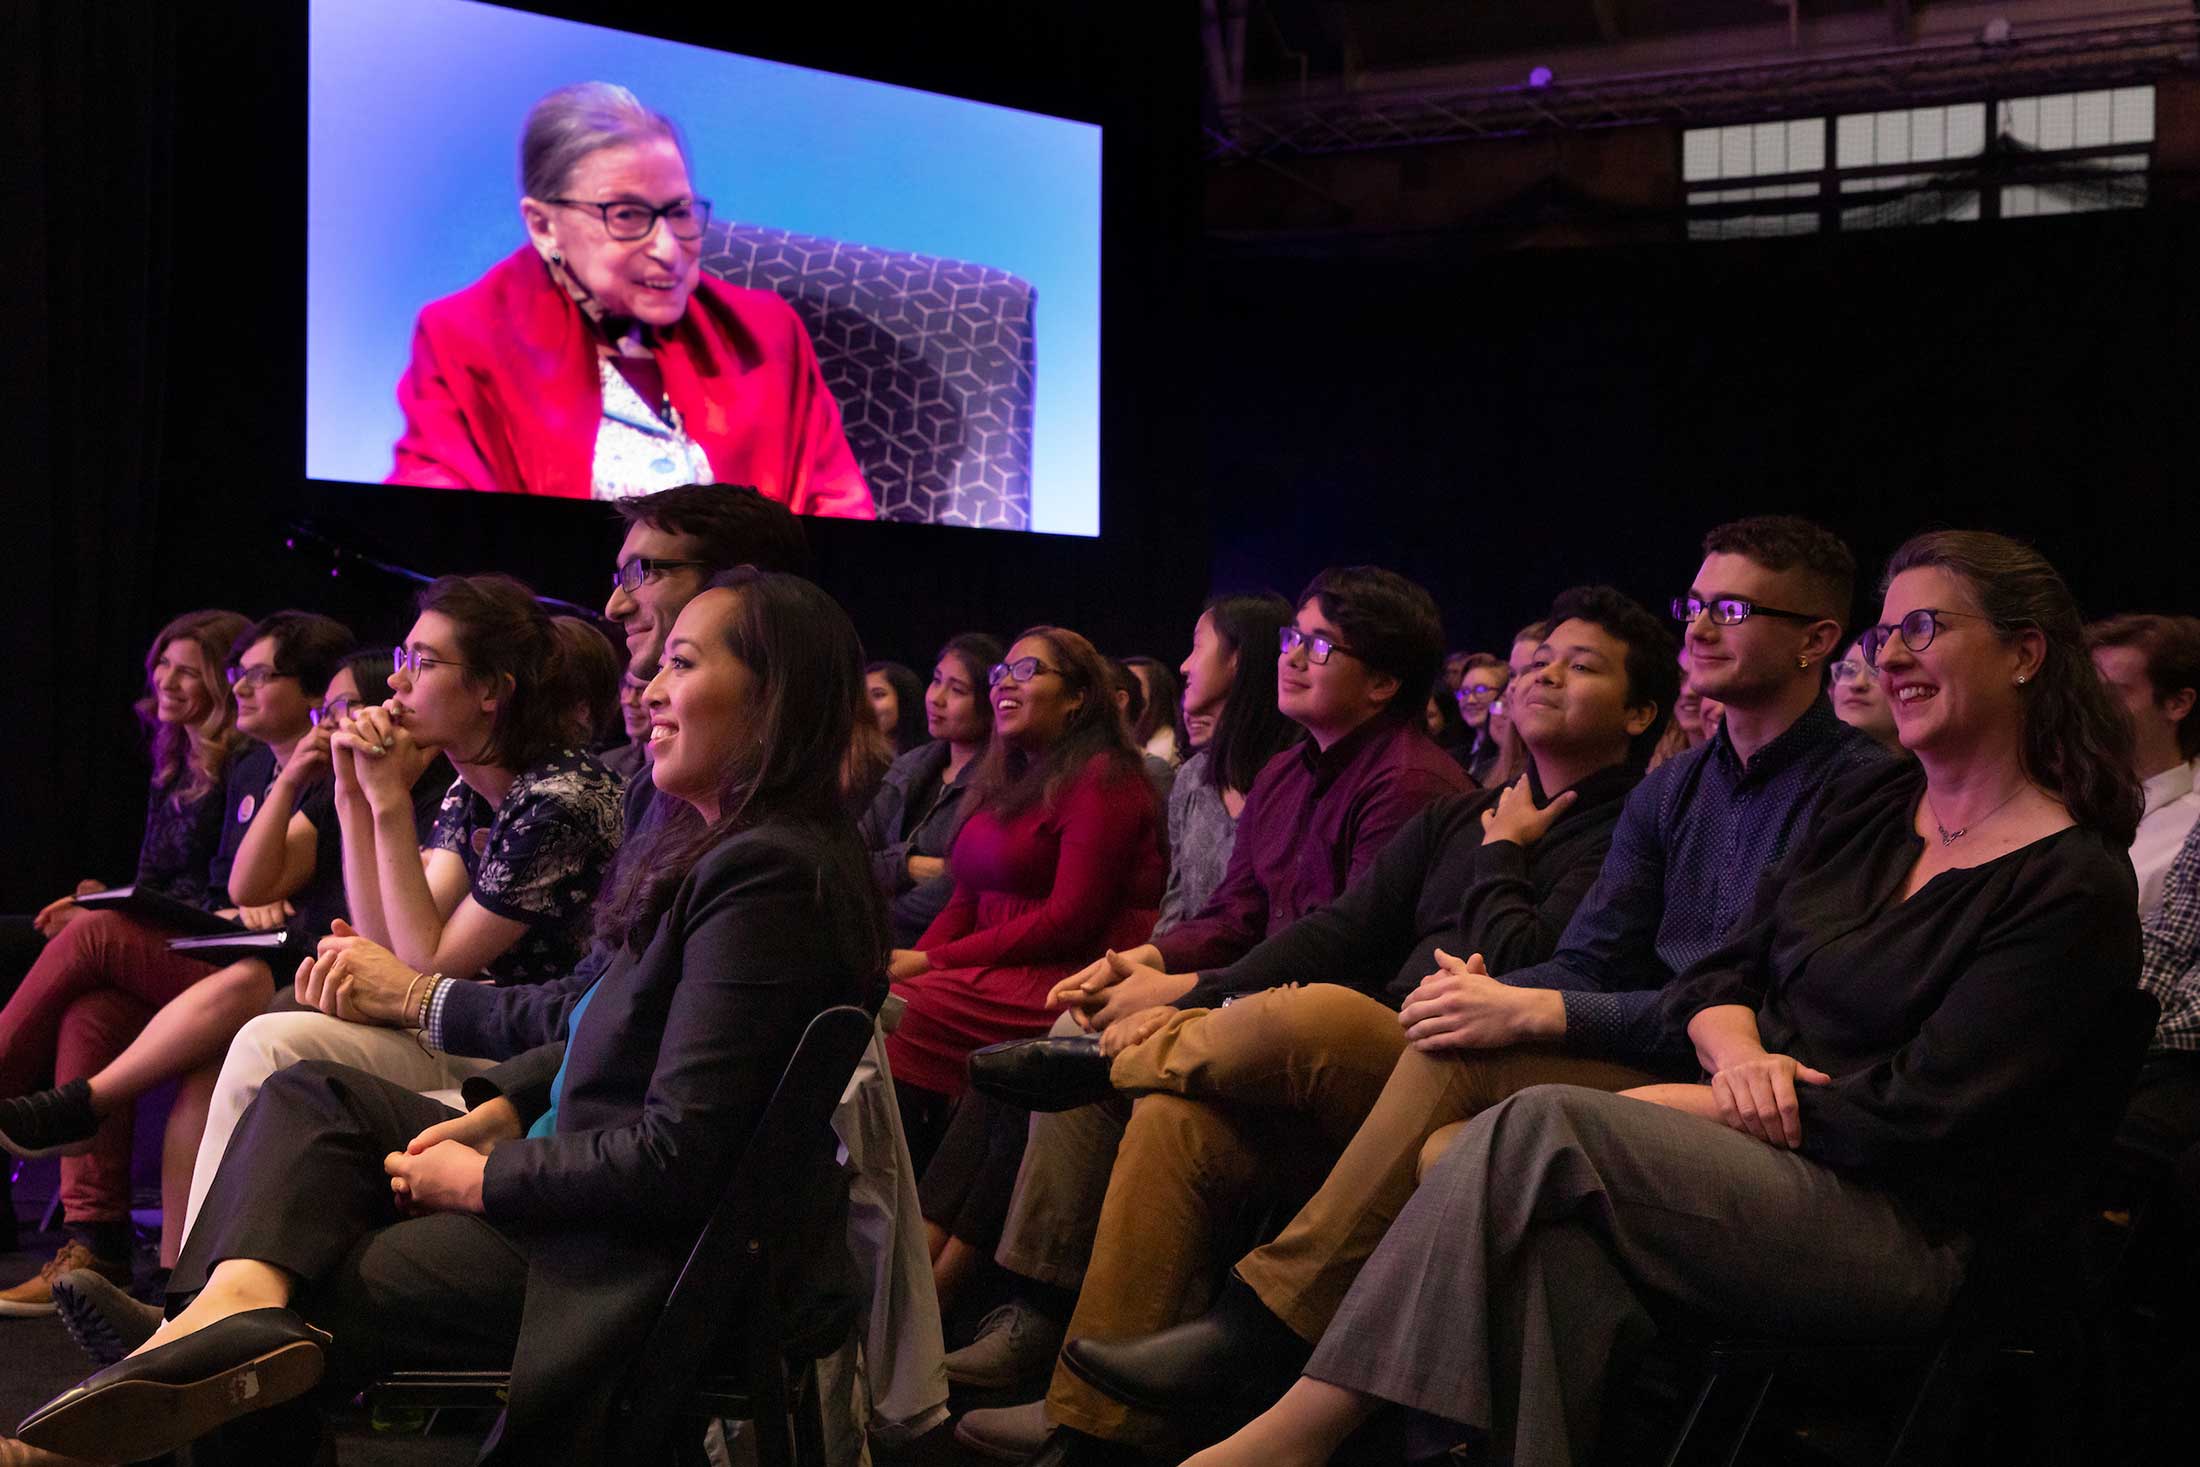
(597,361)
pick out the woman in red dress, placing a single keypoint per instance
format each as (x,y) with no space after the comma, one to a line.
(598,361)
(1061,859)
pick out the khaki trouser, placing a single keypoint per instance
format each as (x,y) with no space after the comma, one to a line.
(1248,1107)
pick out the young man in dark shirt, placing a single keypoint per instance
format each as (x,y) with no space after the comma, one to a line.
(1764,613)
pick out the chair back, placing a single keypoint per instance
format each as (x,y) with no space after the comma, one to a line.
(787,1177)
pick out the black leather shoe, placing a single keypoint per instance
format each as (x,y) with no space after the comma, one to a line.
(1054,1073)
(1235,1355)
(155,1402)
(1066,1448)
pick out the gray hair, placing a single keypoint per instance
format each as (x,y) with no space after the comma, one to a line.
(573,122)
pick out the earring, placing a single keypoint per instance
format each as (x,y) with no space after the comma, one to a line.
(1803,663)
(557,259)
(2020,679)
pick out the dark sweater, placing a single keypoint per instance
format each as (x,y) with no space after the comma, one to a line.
(1436,884)
(1950,1022)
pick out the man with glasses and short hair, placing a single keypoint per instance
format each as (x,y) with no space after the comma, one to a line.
(1761,617)
(2152,664)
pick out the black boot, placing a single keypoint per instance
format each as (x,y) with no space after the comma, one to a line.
(1235,1355)
(1066,1448)
(1057,1072)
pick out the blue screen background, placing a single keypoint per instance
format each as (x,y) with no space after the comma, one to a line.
(415,108)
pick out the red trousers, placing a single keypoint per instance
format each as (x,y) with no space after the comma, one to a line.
(91,991)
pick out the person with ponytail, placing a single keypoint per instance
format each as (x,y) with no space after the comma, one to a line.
(354,1226)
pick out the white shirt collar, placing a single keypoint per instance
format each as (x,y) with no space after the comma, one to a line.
(2173,783)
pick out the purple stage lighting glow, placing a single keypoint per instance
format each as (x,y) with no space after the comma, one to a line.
(1540,77)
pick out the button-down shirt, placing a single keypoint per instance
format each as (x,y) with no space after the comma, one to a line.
(2173,805)
(2169,951)
(1314,820)
(1693,841)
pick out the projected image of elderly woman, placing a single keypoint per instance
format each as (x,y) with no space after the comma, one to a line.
(598,360)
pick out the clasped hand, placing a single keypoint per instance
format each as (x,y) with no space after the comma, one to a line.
(1117,987)
(352,978)
(378,756)
(1460,1006)
(441,1169)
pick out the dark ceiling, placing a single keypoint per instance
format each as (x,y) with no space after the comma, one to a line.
(1328,36)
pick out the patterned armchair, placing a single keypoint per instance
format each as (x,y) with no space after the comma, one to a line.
(930,359)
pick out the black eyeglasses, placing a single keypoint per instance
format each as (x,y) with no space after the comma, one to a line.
(1318,647)
(251,680)
(630,575)
(1023,670)
(627,221)
(1918,630)
(1730,611)
(404,659)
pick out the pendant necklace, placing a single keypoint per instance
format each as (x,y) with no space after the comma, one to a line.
(1950,837)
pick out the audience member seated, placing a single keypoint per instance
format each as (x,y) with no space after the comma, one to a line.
(967,1189)
(1157,734)
(676,540)
(2152,665)
(354,1226)
(1762,615)
(502,891)
(590,667)
(895,700)
(863,766)
(1253,1083)
(922,802)
(1455,669)
(1482,682)
(2161,1127)
(1061,855)
(1440,717)
(1858,700)
(112,1011)
(1130,705)
(628,759)
(1895,1037)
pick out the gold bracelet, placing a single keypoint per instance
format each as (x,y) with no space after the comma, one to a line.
(406,1016)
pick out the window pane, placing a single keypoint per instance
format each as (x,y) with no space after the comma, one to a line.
(2133,115)
(1699,154)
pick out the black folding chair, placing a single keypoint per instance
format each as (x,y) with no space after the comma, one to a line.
(2025,1299)
(703,1362)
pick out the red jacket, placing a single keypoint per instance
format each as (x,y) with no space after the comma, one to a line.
(503,395)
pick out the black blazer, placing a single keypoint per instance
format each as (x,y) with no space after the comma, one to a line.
(676,1059)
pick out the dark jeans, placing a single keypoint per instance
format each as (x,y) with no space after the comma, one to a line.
(967,1187)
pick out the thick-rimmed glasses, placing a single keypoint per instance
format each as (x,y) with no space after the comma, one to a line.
(627,221)
(1918,630)
(1730,611)
(1023,670)
(405,660)
(1318,647)
(630,574)
(251,680)
(335,710)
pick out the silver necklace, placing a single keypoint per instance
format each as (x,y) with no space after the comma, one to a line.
(1950,837)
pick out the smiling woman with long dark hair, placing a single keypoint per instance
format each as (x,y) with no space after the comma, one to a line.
(541,1231)
(1061,857)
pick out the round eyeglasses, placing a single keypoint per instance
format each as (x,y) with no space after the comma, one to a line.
(251,680)
(1853,670)
(404,659)
(334,711)
(1918,630)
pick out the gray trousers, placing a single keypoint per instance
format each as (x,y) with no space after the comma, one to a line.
(1527,1268)
(1054,1213)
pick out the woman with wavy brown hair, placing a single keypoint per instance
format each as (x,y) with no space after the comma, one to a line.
(1062,857)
